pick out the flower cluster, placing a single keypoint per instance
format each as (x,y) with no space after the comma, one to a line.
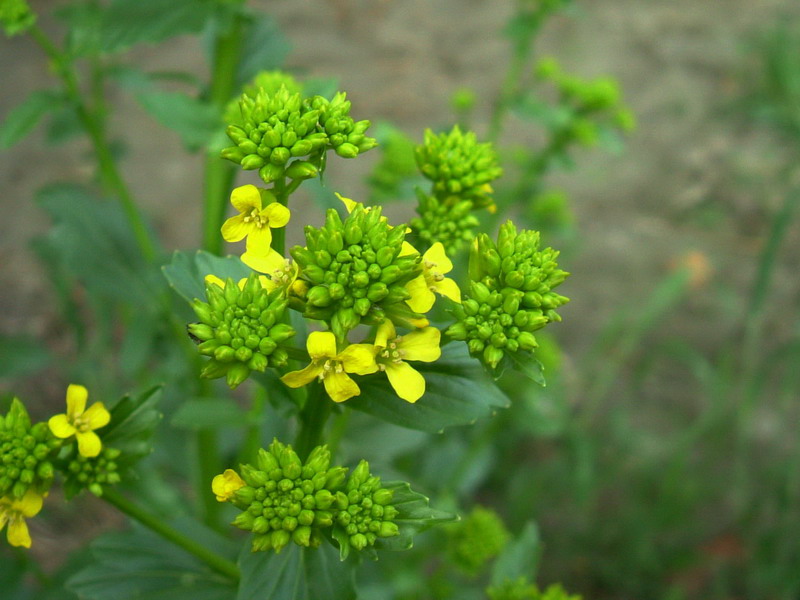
(241,329)
(269,81)
(461,170)
(26,454)
(92,473)
(510,296)
(478,539)
(284,499)
(521,589)
(345,136)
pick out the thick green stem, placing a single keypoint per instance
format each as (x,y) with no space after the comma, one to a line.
(109,174)
(212,559)
(218,172)
(313,418)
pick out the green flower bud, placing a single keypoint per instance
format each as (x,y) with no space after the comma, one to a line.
(16,16)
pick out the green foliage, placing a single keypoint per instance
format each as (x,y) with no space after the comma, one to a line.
(186,272)
(21,355)
(194,120)
(133,423)
(24,117)
(16,16)
(478,539)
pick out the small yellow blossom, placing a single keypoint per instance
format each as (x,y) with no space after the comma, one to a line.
(434,265)
(14,513)
(258,214)
(283,272)
(332,367)
(225,486)
(80,422)
(394,351)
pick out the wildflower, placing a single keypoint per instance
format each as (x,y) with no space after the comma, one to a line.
(14,512)
(282,272)
(80,421)
(332,368)
(434,265)
(258,213)
(394,351)
(226,485)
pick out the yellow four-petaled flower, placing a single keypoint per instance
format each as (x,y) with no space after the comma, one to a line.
(226,485)
(80,421)
(393,351)
(14,513)
(258,214)
(332,367)
(434,265)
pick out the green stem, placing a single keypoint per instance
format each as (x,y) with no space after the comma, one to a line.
(279,235)
(255,416)
(313,418)
(212,559)
(208,466)
(218,172)
(109,174)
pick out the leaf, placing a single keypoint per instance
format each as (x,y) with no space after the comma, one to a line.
(133,423)
(295,574)
(24,117)
(458,392)
(128,22)
(186,272)
(209,413)
(21,355)
(140,565)
(194,120)
(519,558)
(64,125)
(264,48)
(525,363)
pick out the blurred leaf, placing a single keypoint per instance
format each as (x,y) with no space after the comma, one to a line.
(525,363)
(209,413)
(21,355)
(458,392)
(194,120)
(133,423)
(295,574)
(64,125)
(519,558)
(24,117)
(264,48)
(142,566)
(415,516)
(552,116)
(186,271)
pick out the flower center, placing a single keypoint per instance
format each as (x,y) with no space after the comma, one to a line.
(393,352)
(285,274)
(432,276)
(82,424)
(330,366)
(256,218)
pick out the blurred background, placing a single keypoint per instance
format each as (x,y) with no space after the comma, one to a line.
(662,460)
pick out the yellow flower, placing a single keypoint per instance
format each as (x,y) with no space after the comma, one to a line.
(258,212)
(225,486)
(14,513)
(80,422)
(282,271)
(393,351)
(434,265)
(332,368)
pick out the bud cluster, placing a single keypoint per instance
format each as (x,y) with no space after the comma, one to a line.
(271,82)
(241,329)
(285,500)
(26,453)
(521,589)
(510,295)
(478,539)
(16,16)
(452,224)
(92,473)
(354,269)
(275,128)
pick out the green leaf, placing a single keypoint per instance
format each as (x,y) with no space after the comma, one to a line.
(458,392)
(209,413)
(194,120)
(264,48)
(24,117)
(140,565)
(64,125)
(525,363)
(128,22)
(21,355)
(519,558)
(133,423)
(295,574)
(186,271)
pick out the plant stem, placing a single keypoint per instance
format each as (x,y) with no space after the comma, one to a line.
(212,559)
(253,440)
(208,466)
(279,234)
(313,418)
(109,174)
(218,172)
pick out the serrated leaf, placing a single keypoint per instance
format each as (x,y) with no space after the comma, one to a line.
(209,413)
(186,271)
(519,558)
(21,355)
(132,425)
(415,515)
(295,574)
(194,120)
(24,117)
(457,392)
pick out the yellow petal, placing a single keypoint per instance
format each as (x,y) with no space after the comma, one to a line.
(61,427)
(348,203)
(235,229)
(214,280)
(321,344)
(245,198)
(407,249)
(225,486)
(422,298)
(18,534)
(97,416)
(422,344)
(76,400)
(340,387)
(448,288)
(4,514)
(437,256)
(406,381)
(89,444)
(386,333)
(259,240)
(359,359)
(268,264)
(30,505)
(297,379)
(277,214)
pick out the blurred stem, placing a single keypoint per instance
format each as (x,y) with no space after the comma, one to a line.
(92,121)
(313,418)
(282,195)
(255,415)
(219,173)
(208,464)
(212,559)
